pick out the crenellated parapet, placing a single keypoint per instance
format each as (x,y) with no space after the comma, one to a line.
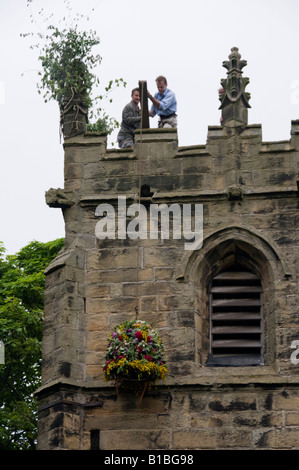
(228,158)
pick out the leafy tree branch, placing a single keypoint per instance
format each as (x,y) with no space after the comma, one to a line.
(68,64)
(22,283)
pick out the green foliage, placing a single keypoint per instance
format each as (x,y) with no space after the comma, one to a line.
(22,284)
(68,63)
(103,122)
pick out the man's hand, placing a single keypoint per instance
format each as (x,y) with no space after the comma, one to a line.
(156,102)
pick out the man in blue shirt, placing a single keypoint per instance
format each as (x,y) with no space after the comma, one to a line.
(164,104)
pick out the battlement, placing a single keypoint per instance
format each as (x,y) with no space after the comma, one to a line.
(230,157)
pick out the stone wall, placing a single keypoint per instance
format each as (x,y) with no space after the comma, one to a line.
(173,418)
(249,192)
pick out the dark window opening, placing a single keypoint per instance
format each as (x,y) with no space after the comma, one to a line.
(145,191)
(94,439)
(236,320)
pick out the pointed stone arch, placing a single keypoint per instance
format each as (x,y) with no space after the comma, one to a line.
(224,248)
(260,242)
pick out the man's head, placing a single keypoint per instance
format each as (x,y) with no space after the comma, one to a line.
(161,84)
(135,95)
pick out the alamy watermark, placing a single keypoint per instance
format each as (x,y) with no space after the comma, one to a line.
(150,222)
(294,358)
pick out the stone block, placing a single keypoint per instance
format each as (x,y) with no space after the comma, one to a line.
(164,274)
(135,439)
(208,420)
(229,438)
(102,306)
(148,305)
(292,418)
(200,165)
(83,154)
(287,438)
(194,439)
(95,322)
(173,167)
(160,257)
(97,290)
(73,171)
(287,400)
(117,258)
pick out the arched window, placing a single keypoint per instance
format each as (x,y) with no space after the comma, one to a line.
(236,318)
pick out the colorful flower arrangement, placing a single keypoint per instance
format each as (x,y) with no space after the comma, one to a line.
(135,351)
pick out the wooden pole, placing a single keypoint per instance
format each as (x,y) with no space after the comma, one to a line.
(144,104)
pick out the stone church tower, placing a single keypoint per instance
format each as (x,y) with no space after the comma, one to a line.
(227,311)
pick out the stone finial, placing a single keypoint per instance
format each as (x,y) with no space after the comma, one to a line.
(73,116)
(234,99)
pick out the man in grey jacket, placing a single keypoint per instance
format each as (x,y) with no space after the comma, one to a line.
(131,119)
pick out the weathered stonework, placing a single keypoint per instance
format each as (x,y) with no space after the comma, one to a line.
(249,192)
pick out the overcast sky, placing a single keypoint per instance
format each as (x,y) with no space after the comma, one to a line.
(186,41)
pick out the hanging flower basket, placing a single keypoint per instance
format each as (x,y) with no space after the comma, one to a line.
(134,356)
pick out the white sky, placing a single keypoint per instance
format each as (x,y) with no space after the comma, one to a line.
(186,41)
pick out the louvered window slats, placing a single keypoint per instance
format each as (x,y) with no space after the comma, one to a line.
(236,325)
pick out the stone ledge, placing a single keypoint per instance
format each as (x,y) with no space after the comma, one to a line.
(119,154)
(216,377)
(156,135)
(187,151)
(154,130)
(277,147)
(247,131)
(99,198)
(86,139)
(195,196)
(58,262)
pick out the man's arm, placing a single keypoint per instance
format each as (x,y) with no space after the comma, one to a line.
(168,101)
(155,102)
